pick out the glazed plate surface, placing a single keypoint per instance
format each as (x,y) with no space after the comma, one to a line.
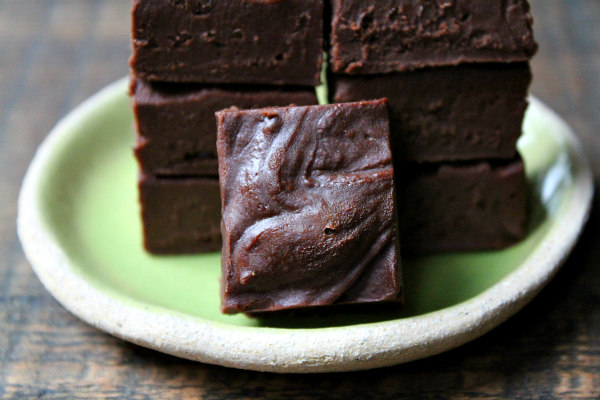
(79,226)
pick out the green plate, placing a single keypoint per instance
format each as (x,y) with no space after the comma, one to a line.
(79,225)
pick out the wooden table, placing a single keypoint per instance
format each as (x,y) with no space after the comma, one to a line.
(55,53)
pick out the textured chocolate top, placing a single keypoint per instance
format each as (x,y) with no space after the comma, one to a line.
(381,36)
(308,207)
(228,41)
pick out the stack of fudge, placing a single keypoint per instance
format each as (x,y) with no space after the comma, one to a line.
(456,74)
(307,192)
(190,59)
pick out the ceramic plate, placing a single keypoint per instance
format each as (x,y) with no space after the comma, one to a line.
(79,226)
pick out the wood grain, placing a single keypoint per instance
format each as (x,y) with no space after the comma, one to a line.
(55,53)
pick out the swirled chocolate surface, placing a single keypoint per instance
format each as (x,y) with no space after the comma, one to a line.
(308,201)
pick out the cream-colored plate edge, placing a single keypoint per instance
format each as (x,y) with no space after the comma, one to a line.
(298,350)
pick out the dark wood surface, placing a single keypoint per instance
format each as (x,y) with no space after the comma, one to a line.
(55,53)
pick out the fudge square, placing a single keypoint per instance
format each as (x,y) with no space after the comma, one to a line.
(177,132)
(465,206)
(228,41)
(180,215)
(466,112)
(308,204)
(381,36)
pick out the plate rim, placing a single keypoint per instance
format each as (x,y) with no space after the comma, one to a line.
(358,347)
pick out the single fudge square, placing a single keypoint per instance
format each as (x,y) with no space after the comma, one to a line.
(180,215)
(277,42)
(381,36)
(467,112)
(460,207)
(309,215)
(177,131)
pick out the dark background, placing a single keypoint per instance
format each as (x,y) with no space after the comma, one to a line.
(56,53)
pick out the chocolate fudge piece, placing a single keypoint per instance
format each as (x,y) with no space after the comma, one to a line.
(180,215)
(276,42)
(381,36)
(176,123)
(472,111)
(470,206)
(309,214)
